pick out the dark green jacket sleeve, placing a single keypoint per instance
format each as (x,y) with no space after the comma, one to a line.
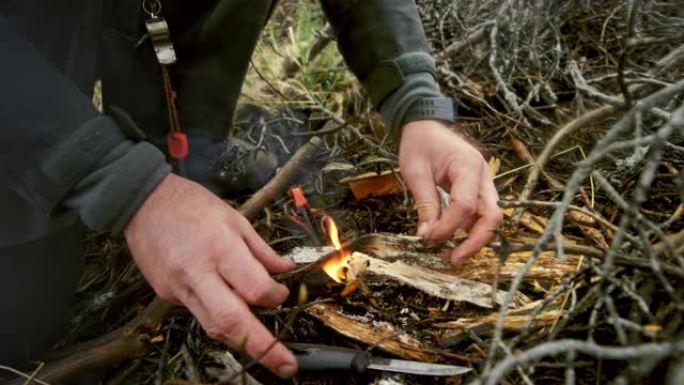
(384,44)
(59,153)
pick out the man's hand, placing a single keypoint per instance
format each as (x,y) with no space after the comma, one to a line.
(195,249)
(431,154)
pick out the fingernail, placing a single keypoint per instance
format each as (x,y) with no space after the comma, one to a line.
(287,371)
(288,261)
(457,259)
(284,291)
(422,229)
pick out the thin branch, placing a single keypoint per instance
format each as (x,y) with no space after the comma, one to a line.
(655,350)
(570,127)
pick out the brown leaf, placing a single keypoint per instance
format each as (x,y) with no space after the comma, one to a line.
(373,184)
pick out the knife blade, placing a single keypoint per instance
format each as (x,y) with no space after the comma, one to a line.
(416,367)
(314,357)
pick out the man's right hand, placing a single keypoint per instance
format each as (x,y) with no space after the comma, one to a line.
(196,250)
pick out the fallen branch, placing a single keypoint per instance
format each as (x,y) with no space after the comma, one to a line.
(474,37)
(28,377)
(282,180)
(652,350)
(524,154)
(457,47)
(600,113)
(597,217)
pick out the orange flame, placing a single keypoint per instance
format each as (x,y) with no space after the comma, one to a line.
(333,232)
(336,265)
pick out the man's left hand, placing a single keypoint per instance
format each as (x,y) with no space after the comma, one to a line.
(430,155)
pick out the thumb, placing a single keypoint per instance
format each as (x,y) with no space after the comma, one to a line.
(422,185)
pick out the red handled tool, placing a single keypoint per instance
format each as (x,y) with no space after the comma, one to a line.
(302,205)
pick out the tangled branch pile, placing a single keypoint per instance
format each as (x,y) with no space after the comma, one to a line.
(607,77)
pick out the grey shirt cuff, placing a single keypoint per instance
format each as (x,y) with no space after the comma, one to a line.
(395,107)
(108,197)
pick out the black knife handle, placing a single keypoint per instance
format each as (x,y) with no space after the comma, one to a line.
(355,361)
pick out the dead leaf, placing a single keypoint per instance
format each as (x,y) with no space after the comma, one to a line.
(374,184)
(520,149)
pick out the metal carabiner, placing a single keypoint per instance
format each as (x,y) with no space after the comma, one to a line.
(152,7)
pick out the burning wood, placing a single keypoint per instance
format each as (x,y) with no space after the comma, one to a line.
(481,267)
(337,264)
(426,263)
(345,266)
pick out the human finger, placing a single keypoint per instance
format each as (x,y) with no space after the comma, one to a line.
(464,190)
(420,181)
(226,318)
(490,217)
(249,277)
(264,253)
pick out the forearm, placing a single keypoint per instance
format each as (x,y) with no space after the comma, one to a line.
(384,44)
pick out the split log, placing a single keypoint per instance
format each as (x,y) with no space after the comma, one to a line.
(433,282)
(481,267)
(394,250)
(382,335)
(592,233)
(308,254)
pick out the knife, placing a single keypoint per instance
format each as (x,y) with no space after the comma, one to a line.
(314,357)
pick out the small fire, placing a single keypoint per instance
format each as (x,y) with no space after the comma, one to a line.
(337,265)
